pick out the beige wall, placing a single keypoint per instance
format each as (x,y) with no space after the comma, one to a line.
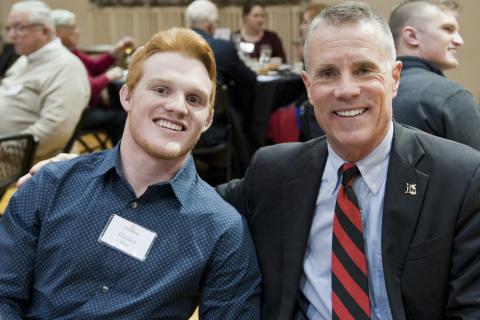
(99,26)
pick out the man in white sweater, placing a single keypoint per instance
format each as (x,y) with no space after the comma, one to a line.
(45,91)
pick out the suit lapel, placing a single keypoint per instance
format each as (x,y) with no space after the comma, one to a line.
(299,200)
(404,193)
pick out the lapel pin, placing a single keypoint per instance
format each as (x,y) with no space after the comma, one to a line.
(411,189)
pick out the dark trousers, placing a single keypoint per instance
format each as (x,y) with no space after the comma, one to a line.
(112,121)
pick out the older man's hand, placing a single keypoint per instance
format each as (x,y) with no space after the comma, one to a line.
(39,165)
(122,45)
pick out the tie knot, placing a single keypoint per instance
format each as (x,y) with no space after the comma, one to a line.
(349,171)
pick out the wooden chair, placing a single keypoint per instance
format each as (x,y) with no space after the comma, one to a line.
(89,140)
(194,315)
(6,198)
(16,155)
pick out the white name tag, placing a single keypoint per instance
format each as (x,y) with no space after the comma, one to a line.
(127,237)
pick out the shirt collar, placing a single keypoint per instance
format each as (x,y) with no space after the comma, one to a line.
(416,62)
(181,182)
(373,167)
(202,33)
(55,43)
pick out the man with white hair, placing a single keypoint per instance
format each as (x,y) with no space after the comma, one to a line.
(374,220)
(46,90)
(426,34)
(202,17)
(100,75)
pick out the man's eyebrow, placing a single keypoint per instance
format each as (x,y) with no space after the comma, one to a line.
(166,81)
(326,66)
(323,67)
(368,63)
(158,80)
(449,25)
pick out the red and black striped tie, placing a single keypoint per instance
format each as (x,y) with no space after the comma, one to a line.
(350,298)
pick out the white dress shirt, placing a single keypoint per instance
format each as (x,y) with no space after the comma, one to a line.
(316,282)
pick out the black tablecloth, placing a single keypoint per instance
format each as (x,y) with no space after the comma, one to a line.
(269,96)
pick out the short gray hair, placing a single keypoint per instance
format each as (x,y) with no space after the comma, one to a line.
(201,12)
(63,18)
(407,11)
(38,12)
(350,12)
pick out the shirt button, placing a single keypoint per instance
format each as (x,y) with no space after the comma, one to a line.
(104,289)
(133,204)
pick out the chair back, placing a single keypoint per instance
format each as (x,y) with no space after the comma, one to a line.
(16,155)
(100,137)
(310,127)
(240,144)
(76,133)
(230,151)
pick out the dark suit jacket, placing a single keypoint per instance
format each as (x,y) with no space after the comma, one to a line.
(430,240)
(232,71)
(240,79)
(229,66)
(430,102)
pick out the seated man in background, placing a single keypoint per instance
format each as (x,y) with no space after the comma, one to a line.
(427,37)
(202,17)
(97,116)
(45,91)
(133,232)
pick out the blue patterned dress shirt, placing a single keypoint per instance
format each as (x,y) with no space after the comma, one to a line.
(52,265)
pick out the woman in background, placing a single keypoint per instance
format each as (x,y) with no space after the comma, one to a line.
(253,14)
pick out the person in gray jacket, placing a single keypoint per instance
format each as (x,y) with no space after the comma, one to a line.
(427,37)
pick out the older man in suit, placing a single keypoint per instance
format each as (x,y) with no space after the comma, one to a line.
(399,242)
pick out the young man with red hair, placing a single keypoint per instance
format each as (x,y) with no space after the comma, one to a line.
(133,232)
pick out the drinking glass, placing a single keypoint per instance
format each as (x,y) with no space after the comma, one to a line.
(265,53)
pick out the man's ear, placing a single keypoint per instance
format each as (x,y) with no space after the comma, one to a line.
(306,82)
(126,98)
(211,28)
(209,121)
(409,36)
(397,69)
